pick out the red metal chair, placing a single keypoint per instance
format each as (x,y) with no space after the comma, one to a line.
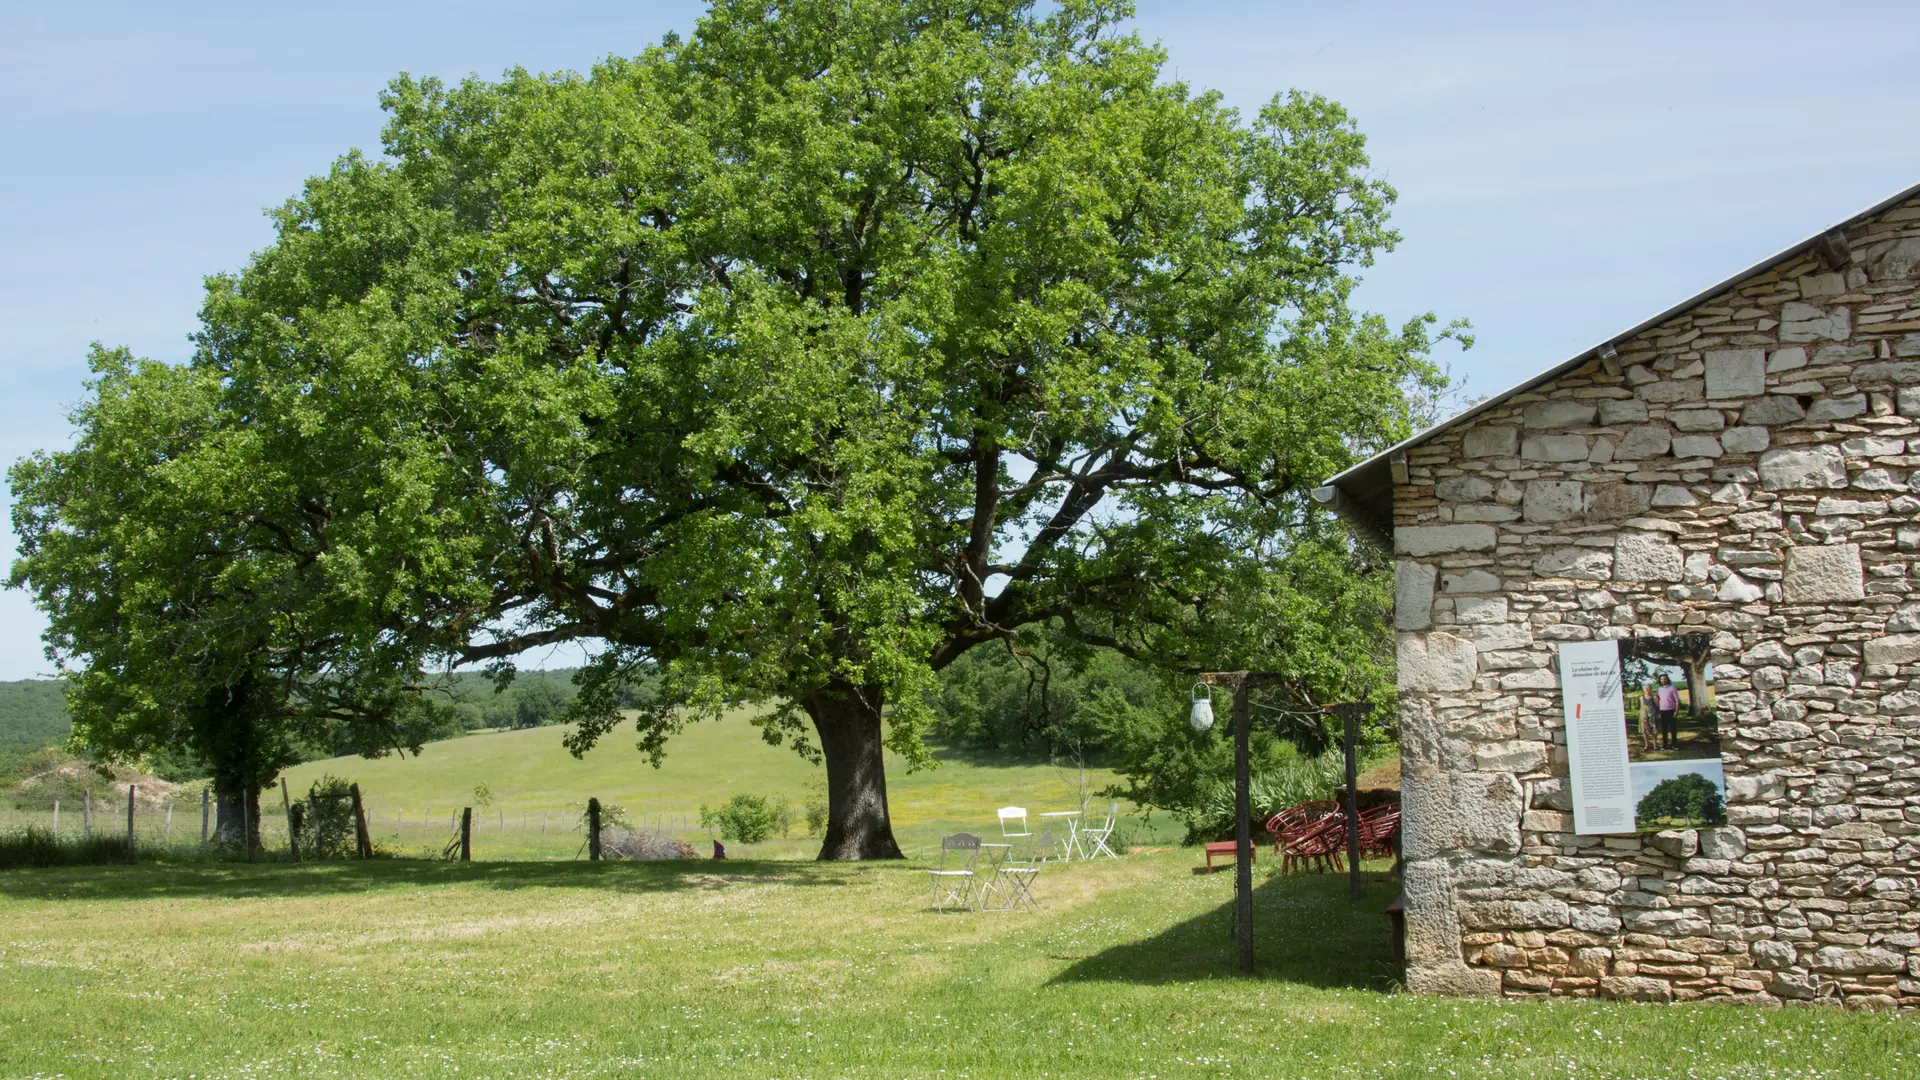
(1378,828)
(1294,817)
(1320,844)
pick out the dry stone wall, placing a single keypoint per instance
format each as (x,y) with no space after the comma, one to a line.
(1752,472)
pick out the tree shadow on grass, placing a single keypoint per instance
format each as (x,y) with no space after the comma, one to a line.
(210,879)
(1305,930)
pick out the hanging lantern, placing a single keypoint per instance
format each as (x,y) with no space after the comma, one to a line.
(1202,715)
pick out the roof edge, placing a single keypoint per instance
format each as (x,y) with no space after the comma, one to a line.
(1589,353)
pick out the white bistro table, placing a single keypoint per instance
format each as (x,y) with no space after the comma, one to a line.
(1072,819)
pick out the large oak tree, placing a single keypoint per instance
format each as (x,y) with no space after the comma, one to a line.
(793,359)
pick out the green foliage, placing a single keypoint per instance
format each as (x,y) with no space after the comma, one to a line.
(1688,800)
(327,828)
(1283,783)
(793,359)
(1036,693)
(34,846)
(33,714)
(748,819)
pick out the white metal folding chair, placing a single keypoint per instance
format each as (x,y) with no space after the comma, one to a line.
(1097,837)
(1010,814)
(1016,879)
(953,884)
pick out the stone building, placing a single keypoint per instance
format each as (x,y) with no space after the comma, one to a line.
(1745,465)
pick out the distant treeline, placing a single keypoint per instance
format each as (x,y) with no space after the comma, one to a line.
(33,718)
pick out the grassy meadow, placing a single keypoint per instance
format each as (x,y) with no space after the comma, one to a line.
(532,781)
(766,968)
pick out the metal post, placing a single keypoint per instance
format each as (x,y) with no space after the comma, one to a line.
(286,807)
(1242,828)
(1349,742)
(363,842)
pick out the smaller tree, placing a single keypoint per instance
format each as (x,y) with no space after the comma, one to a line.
(1689,798)
(747,819)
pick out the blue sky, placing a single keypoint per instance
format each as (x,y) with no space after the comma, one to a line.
(1563,172)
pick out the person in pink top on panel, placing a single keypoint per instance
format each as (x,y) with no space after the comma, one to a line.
(1667,700)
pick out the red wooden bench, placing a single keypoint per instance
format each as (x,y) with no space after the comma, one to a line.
(1229,850)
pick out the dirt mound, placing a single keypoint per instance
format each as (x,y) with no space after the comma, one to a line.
(71,782)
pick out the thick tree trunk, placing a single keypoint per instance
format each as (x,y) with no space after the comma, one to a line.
(229,815)
(847,719)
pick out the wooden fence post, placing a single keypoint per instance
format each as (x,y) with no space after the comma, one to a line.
(466,834)
(286,807)
(169,835)
(363,842)
(206,813)
(56,817)
(593,830)
(1350,742)
(129,815)
(86,815)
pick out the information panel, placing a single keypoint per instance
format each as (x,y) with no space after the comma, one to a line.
(1596,715)
(1643,734)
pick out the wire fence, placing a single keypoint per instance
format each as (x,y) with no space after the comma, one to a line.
(500,831)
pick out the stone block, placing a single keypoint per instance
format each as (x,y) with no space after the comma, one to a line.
(1558,413)
(1463,489)
(1736,372)
(1745,440)
(1907,399)
(1646,557)
(1434,963)
(1616,411)
(1610,502)
(1440,539)
(1893,649)
(1696,446)
(1894,260)
(1554,448)
(1493,637)
(1697,420)
(1514,756)
(1798,470)
(1739,590)
(1469,581)
(1635,988)
(1821,574)
(1773,409)
(1453,812)
(1774,955)
(1666,393)
(1647,441)
(1497,440)
(1844,961)
(1722,843)
(1552,500)
(1804,322)
(1579,563)
(1480,610)
(1898,372)
(1791,358)
(1412,594)
(1436,661)
(1839,408)
(1674,495)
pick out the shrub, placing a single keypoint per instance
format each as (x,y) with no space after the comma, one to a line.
(816,808)
(34,846)
(1279,785)
(326,824)
(747,819)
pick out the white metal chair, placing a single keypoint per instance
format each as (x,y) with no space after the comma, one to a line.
(953,885)
(1097,837)
(1013,813)
(1016,879)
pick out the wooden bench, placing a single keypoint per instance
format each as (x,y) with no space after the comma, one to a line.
(1229,850)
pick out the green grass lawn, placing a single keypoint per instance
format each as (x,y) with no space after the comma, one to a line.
(761,968)
(532,779)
